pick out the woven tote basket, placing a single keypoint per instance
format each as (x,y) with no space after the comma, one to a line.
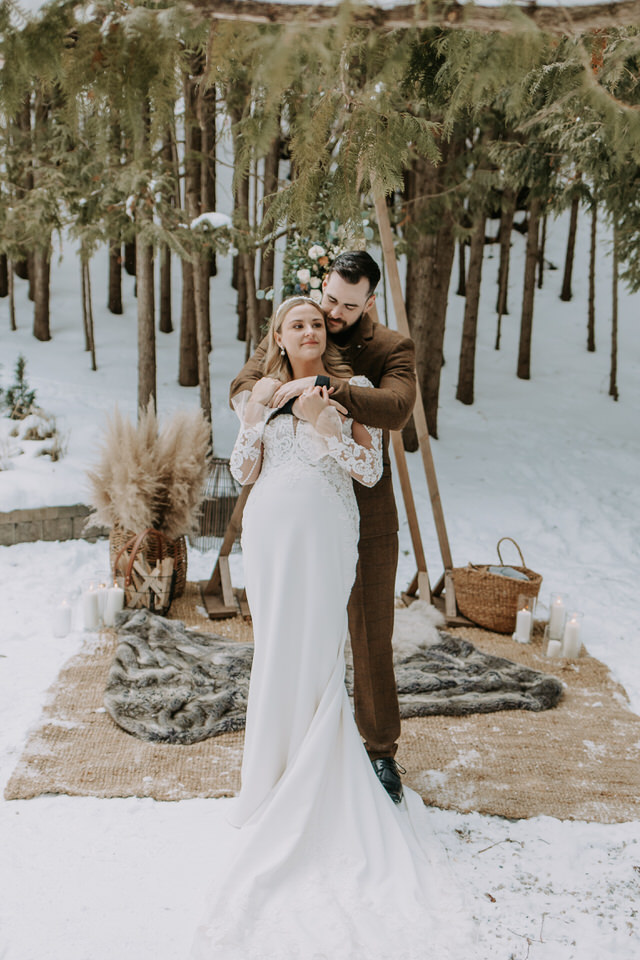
(118,537)
(491,600)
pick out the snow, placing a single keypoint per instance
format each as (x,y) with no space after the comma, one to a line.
(552,462)
(212,219)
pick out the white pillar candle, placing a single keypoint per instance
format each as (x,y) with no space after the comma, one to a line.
(523,626)
(554,648)
(90,608)
(571,643)
(114,604)
(62,619)
(556,619)
(102,600)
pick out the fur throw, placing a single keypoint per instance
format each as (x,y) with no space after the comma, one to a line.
(171,684)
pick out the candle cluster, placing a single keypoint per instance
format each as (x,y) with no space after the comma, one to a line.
(563,629)
(98,604)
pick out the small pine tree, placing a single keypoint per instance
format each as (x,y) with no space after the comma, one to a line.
(19,398)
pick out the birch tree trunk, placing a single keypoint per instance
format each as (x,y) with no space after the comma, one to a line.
(528,295)
(466,368)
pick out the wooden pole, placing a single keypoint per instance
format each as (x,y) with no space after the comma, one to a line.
(419,416)
(422,576)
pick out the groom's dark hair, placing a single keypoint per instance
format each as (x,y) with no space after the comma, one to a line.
(354,265)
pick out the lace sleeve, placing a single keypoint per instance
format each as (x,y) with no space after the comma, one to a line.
(246,457)
(363,463)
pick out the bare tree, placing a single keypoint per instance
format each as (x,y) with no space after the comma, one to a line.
(526,321)
(466,368)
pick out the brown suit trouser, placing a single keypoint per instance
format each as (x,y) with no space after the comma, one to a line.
(371,610)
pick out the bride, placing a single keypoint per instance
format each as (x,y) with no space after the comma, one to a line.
(325,866)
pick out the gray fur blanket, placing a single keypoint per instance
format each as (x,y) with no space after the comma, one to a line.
(171,684)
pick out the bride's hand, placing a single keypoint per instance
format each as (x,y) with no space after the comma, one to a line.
(313,402)
(293,388)
(343,413)
(264,390)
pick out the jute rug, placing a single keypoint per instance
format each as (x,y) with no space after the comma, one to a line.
(577,761)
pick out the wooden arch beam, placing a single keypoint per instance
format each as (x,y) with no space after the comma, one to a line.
(566,18)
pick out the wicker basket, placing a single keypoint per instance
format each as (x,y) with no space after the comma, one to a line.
(149,584)
(491,600)
(118,537)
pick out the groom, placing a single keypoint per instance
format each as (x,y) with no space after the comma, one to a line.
(387,359)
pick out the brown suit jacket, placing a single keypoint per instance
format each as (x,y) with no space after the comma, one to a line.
(387,359)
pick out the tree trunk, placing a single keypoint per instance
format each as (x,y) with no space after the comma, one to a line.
(165,324)
(41,270)
(591,322)
(130,258)
(268,253)
(194,200)
(566,292)
(4,276)
(12,298)
(25,177)
(429,265)
(166,319)
(188,369)
(85,315)
(541,249)
(199,265)
(21,268)
(87,311)
(466,368)
(613,370)
(146,324)
(31,293)
(241,220)
(507,214)
(208,133)
(526,321)
(462,269)
(114,302)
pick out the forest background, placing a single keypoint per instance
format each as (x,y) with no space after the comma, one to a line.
(110,115)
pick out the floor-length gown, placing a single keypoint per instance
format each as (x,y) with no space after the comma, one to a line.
(325,866)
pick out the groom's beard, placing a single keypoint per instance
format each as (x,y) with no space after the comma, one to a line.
(342,334)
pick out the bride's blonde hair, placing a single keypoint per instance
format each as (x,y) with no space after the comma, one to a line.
(278,366)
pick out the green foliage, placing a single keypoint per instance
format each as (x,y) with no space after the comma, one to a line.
(19,399)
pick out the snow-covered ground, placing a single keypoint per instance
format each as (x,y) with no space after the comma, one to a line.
(552,462)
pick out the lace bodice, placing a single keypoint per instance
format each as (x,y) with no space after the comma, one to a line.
(283,441)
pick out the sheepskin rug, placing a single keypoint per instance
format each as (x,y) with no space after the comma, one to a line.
(172,684)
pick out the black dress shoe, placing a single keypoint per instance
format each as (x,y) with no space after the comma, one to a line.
(388,773)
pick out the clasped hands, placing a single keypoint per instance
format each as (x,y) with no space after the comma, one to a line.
(311,401)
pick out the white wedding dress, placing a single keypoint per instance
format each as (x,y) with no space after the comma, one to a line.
(325,866)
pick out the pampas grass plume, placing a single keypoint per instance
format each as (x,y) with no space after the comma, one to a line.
(150,478)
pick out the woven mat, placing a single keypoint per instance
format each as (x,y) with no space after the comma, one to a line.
(577,761)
